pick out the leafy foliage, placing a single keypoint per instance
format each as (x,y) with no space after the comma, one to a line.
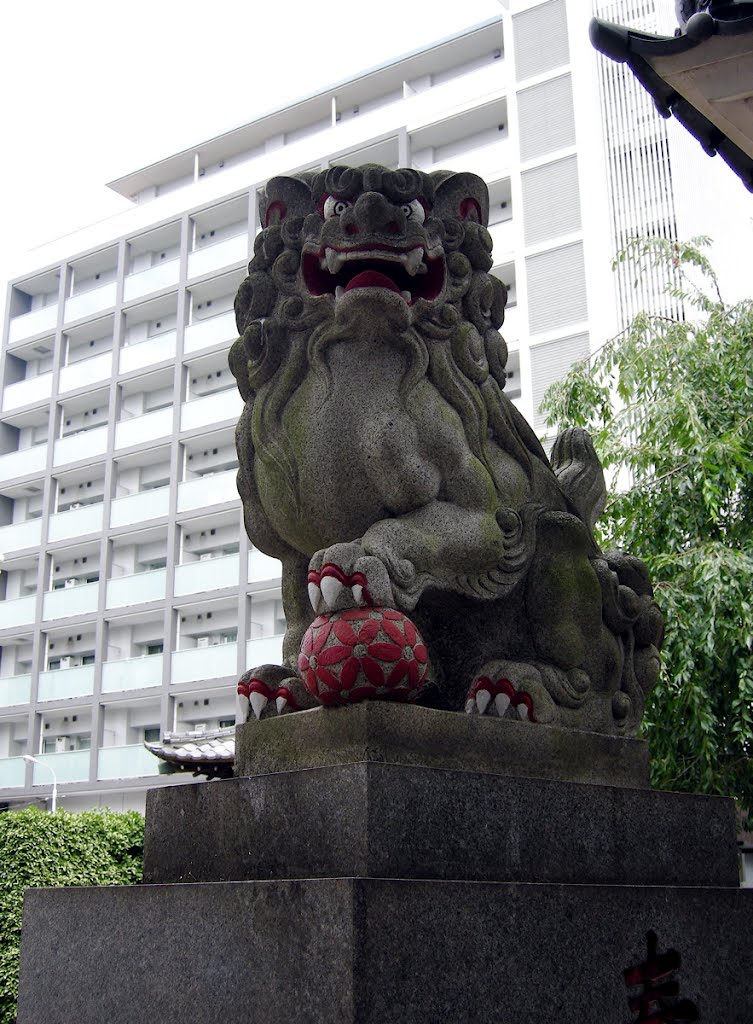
(61,849)
(668,404)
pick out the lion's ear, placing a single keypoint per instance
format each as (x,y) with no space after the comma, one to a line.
(283,198)
(463,195)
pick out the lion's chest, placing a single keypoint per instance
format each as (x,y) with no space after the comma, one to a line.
(358,453)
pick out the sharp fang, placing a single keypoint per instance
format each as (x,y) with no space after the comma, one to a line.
(334,260)
(358,594)
(412,260)
(482,700)
(315,597)
(406,295)
(470,706)
(501,703)
(258,703)
(282,703)
(339,291)
(330,590)
(523,712)
(322,263)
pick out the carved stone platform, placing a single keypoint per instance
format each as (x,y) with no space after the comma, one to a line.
(373,892)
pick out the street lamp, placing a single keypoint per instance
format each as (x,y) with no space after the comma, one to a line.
(34,760)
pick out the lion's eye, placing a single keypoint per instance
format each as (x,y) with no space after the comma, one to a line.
(415,211)
(334,207)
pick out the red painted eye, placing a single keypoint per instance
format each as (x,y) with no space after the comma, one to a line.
(470,210)
(334,207)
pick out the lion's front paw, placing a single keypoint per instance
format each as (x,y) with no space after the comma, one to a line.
(270,690)
(344,576)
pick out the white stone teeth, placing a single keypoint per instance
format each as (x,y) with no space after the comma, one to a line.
(281,703)
(523,713)
(258,702)
(357,594)
(502,703)
(315,597)
(470,706)
(323,263)
(482,700)
(331,588)
(339,291)
(241,709)
(413,261)
(334,260)
(406,295)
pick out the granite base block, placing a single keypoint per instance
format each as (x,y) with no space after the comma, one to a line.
(398,821)
(408,734)
(377,951)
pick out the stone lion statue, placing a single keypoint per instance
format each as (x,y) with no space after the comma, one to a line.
(382,463)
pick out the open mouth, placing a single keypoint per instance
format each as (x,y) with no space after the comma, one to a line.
(412,273)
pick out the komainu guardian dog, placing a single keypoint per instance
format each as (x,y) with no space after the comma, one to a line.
(383,464)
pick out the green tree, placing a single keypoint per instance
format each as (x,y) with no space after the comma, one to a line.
(61,849)
(668,404)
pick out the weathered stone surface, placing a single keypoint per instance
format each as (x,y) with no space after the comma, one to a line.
(385,820)
(382,462)
(407,734)
(375,951)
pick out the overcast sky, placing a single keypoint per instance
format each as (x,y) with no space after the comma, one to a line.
(92,90)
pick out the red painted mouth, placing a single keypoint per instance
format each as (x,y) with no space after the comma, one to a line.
(371,279)
(410,273)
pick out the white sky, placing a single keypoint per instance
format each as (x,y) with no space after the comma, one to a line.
(91,90)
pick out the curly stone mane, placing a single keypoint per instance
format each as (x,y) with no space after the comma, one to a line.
(456,344)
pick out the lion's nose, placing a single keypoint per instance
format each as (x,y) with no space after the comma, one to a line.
(374,214)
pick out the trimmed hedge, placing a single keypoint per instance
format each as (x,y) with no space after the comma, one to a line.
(38,849)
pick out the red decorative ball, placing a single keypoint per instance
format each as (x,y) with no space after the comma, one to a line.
(363,654)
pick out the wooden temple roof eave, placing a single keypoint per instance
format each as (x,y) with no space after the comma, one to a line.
(637,50)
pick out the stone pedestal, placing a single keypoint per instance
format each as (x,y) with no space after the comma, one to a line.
(393,888)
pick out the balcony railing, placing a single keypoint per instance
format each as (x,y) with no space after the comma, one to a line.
(36,322)
(26,392)
(92,301)
(210,332)
(78,600)
(76,522)
(70,766)
(144,428)
(86,444)
(23,462)
(262,567)
(210,574)
(265,650)
(137,589)
(132,673)
(163,275)
(12,772)
(15,690)
(208,490)
(221,254)
(17,613)
(153,350)
(439,101)
(140,507)
(18,536)
(204,663)
(85,372)
(503,239)
(131,762)
(62,683)
(205,412)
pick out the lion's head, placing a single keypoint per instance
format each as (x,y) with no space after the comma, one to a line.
(353,247)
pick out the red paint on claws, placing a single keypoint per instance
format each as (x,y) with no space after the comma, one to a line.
(245,689)
(497,686)
(355,579)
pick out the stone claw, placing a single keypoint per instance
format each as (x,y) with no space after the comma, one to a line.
(497,692)
(261,694)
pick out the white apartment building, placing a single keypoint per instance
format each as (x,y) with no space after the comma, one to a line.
(132,600)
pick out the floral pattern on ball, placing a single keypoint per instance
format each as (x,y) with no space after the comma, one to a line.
(363,654)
